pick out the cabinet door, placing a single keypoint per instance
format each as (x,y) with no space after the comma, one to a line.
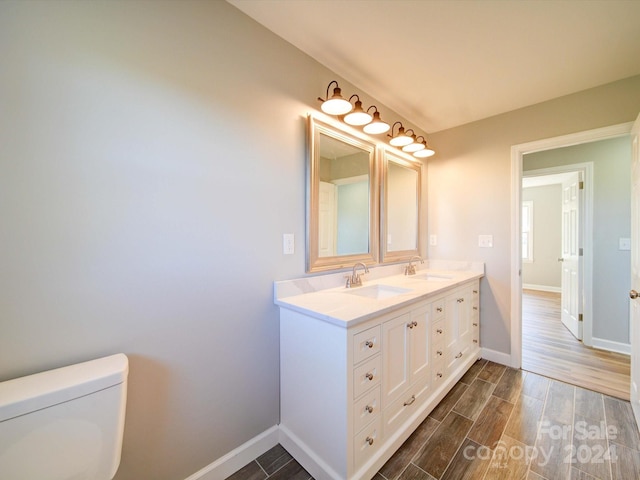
(419,337)
(395,357)
(458,329)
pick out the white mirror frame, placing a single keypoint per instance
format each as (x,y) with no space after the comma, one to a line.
(316,263)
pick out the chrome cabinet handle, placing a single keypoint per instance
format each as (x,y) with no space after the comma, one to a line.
(439,375)
(475,308)
(475,341)
(459,355)
(460,300)
(369,440)
(439,309)
(369,376)
(633,294)
(439,330)
(439,353)
(368,343)
(412,324)
(475,291)
(369,408)
(410,401)
(475,324)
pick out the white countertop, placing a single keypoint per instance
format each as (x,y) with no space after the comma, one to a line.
(319,297)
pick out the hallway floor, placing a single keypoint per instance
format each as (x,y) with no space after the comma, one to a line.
(502,423)
(548,348)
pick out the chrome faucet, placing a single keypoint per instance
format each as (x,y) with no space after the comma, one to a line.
(411,268)
(354,280)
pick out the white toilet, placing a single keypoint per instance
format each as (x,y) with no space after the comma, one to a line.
(64,424)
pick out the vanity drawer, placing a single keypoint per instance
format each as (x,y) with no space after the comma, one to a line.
(438,307)
(367,375)
(437,332)
(438,372)
(366,409)
(367,442)
(399,411)
(366,344)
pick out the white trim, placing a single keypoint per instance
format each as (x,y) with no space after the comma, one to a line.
(517,152)
(495,356)
(239,457)
(541,288)
(611,346)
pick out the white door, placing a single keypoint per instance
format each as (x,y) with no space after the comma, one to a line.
(327,200)
(634,309)
(571,264)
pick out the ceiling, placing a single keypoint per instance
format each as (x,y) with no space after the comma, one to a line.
(445,63)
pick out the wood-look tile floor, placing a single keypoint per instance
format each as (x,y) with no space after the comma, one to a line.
(502,423)
(549,349)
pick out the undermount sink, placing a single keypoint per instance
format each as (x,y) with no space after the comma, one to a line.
(378,291)
(433,277)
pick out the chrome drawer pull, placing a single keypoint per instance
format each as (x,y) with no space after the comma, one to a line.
(475,341)
(412,324)
(439,375)
(475,324)
(439,309)
(369,440)
(459,355)
(460,300)
(370,375)
(475,308)
(475,291)
(439,353)
(369,408)
(368,343)
(439,330)
(410,401)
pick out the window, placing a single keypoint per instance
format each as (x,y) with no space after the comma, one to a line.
(527,231)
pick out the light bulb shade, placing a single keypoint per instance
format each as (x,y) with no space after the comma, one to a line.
(424,153)
(401,139)
(376,126)
(337,104)
(413,147)
(358,116)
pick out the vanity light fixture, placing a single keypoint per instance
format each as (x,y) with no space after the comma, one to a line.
(337,104)
(357,116)
(376,126)
(372,124)
(425,152)
(401,138)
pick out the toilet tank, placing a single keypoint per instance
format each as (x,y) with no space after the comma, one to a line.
(64,424)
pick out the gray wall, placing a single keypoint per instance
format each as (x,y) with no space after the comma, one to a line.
(545,270)
(470,185)
(611,221)
(152,156)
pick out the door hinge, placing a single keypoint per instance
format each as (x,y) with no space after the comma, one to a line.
(579,317)
(581,185)
(580,252)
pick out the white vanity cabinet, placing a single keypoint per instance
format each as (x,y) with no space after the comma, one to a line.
(352,393)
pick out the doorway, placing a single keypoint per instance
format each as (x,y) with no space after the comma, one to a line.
(518,154)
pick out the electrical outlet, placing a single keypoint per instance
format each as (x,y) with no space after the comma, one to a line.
(485,241)
(433,240)
(625,244)
(288,243)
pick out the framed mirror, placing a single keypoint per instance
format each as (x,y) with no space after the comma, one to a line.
(400,219)
(342,199)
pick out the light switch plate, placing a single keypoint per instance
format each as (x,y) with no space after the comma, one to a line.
(485,241)
(288,243)
(433,240)
(625,244)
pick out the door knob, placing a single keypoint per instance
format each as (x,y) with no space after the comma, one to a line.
(633,294)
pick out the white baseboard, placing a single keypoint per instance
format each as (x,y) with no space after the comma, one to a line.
(495,356)
(541,288)
(239,457)
(611,346)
